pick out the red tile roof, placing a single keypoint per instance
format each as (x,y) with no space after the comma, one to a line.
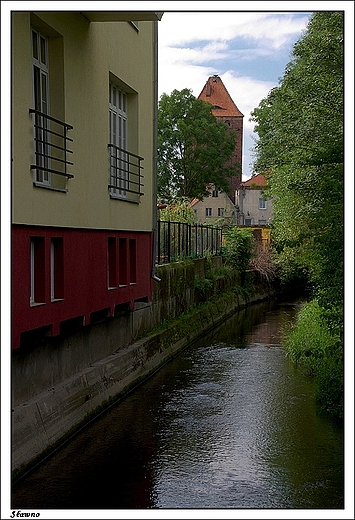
(193,202)
(256,180)
(215,92)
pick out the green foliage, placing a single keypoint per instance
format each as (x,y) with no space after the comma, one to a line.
(312,345)
(203,286)
(193,147)
(290,269)
(178,210)
(301,120)
(300,147)
(239,248)
(330,385)
(309,338)
(300,128)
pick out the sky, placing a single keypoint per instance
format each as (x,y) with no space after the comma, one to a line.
(248,50)
(246,45)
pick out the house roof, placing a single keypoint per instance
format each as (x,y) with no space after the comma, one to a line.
(255,181)
(215,92)
(193,202)
(205,200)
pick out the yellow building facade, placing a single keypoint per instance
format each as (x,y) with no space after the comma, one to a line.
(84,102)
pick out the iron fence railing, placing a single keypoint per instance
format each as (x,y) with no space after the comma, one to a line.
(51,146)
(176,240)
(126,174)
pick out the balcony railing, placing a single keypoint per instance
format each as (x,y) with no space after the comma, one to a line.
(125,174)
(176,240)
(51,147)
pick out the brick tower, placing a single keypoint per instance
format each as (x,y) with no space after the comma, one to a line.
(225,110)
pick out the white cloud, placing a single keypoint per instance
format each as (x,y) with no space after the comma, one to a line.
(190,76)
(181,28)
(190,41)
(192,45)
(246,92)
(183,68)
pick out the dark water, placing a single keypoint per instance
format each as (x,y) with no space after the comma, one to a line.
(229,423)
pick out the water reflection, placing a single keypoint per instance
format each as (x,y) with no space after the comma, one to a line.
(230,423)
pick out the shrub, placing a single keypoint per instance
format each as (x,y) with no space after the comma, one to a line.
(239,248)
(311,344)
(203,286)
(263,264)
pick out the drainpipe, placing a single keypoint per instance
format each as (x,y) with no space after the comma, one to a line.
(155,145)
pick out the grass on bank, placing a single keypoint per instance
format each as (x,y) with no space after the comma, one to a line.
(312,346)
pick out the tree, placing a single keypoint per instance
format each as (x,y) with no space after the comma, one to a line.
(239,248)
(193,147)
(300,145)
(178,210)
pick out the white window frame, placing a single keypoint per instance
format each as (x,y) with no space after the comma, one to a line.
(208,212)
(262,203)
(221,212)
(118,128)
(40,97)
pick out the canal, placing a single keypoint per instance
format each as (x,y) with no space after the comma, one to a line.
(229,423)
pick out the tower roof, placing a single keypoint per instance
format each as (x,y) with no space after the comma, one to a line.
(215,92)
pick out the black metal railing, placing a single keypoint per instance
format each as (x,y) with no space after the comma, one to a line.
(125,174)
(51,146)
(178,240)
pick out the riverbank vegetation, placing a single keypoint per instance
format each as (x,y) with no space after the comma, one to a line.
(239,248)
(300,151)
(313,346)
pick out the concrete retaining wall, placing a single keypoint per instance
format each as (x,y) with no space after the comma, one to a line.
(60,385)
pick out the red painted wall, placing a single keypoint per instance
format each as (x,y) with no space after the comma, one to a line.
(85,257)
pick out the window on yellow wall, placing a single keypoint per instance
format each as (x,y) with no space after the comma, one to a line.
(126,167)
(119,160)
(41,104)
(52,153)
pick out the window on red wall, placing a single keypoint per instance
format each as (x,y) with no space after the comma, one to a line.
(37,270)
(112,262)
(132,261)
(122,262)
(57,269)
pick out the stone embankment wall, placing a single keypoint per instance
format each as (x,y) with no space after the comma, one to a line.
(60,385)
